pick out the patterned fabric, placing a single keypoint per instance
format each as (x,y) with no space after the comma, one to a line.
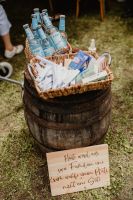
(5,25)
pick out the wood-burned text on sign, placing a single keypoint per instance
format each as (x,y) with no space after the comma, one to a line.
(78,169)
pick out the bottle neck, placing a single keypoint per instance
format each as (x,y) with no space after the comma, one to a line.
(34,23)
(47,21)
(38,17)
(41,34)
(62,24)
(45,11)
(29,34)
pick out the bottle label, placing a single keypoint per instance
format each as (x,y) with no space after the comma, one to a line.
(58,40)
(34,23)
(49,51)
(41,34)
(36,36)
(51,42)
(36,49)
(38,17)
(29,34)
(62,24)
(47,21)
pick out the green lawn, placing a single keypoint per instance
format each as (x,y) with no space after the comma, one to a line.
(23,169)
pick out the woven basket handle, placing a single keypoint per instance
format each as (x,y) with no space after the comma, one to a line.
(70,50)
(30,71)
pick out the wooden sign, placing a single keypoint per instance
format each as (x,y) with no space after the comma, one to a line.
(78,169)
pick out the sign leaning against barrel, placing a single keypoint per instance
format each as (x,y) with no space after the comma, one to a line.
(78,169)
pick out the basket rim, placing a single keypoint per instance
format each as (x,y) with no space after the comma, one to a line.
(109,79)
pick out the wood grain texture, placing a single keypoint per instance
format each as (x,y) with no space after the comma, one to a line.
(78,169)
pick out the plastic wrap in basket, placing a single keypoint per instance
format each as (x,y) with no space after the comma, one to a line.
(73,89)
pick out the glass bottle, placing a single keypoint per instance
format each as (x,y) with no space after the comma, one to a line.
(62,26)
(49,38)
(47,48)
(34,45)
(55,35)
(34,26)
(92,46)
(36,11)
(43,11)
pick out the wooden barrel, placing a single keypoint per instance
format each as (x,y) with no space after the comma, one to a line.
(67,122)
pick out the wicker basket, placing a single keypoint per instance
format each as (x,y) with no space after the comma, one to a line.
(74,89)
(29,55)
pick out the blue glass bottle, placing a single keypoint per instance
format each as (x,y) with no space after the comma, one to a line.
(34,26)
(34,45)
(49,38)
(47,48)
(62,23)
(62,27)
(36,11)
(34,22)
(55,35)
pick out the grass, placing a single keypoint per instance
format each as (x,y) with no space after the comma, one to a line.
(23,168)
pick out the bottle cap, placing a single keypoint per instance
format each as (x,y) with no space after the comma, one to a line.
(62,16)
(26,26)
(92,46)
(44,10)
(33,15)
(36,9)
(43,14)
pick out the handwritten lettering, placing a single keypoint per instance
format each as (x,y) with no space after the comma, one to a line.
(86,173)
(55,179)
(88,155)
(99,171)
(68,186)
(93,180)
(62,169)
(75,165)
(77,170)
(99,162)
(68,157)
(95,153)
(84,155)
(73,184)
(80,183)
(73,175)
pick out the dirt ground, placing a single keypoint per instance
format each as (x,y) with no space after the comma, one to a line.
(23,169)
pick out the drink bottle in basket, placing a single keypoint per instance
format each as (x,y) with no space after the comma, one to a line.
(59,42)
(47,48)
(46,13)
(36,11)
(35,47)
(62,26)
(34,26)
